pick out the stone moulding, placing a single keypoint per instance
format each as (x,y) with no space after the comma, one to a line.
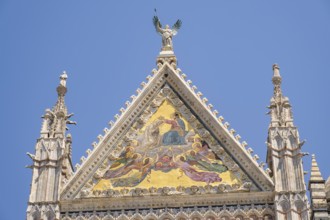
(167,191)
(237,212)
(106,203)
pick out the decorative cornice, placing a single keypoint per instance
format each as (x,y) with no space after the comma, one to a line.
(85,204)
(226,212)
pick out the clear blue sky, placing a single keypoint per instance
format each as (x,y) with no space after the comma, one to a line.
(226,48)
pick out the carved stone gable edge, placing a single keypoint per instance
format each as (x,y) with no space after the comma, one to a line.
(176,81)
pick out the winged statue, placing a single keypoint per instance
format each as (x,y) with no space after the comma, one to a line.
(167,33)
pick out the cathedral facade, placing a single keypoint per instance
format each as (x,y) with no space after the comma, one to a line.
(169,155)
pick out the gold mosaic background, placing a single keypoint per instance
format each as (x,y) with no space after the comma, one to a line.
(165,152)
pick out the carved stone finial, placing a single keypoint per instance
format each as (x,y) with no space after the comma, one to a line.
(276,70)
(277,80)
(61,89)
(63,78)
(268,171)
(280,108)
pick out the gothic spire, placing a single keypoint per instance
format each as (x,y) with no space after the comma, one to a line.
(61,91)
(277,80)
(317,191)
(284,156)
(315,171)
(55,120)
(52,164)
(280,107)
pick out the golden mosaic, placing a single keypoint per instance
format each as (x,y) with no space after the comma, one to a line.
(165,152)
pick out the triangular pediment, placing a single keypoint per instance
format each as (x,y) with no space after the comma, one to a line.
(168,141)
